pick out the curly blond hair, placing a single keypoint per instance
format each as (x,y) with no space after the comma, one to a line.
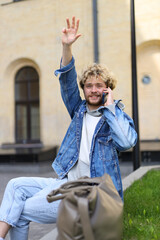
(97,69)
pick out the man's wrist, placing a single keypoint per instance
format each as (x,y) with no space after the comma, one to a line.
(66,55)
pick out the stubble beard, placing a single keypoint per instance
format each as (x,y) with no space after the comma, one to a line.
(94,104)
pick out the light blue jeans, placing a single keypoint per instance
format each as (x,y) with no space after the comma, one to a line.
(25,200)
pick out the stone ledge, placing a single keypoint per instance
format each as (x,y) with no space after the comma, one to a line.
(51,235)
(139,173)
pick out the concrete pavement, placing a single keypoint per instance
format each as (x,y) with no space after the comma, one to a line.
(37,231)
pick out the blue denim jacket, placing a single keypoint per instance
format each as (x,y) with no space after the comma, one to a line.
(114,132)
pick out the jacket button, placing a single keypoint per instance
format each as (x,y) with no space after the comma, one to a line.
(71,162)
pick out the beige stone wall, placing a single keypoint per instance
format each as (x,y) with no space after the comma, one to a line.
(115,42)
(148,59)
(149,94)
(30,34)
(114,35)
(31,30)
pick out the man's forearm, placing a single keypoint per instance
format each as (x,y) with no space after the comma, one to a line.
(66,54)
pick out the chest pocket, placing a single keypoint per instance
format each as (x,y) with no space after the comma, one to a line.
(105,148)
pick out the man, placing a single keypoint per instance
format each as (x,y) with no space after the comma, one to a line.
(99,128)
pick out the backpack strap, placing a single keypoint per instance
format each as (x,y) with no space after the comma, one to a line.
(85,219)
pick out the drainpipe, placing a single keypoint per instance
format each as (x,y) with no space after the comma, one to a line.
(136,150)
(95,31)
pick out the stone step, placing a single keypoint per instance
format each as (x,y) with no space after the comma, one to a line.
(51,235)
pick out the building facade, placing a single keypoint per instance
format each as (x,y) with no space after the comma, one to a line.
(31,109)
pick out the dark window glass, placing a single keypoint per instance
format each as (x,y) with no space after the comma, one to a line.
(35,121)
(21,112)
(21,91)
(27,73)
(27,105)
(34,90)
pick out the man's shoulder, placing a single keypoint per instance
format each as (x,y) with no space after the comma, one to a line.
(82,106)
(119,104)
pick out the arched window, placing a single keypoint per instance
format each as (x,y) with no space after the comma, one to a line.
(27,115)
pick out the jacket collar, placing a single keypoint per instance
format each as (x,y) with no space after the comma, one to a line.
(84,108)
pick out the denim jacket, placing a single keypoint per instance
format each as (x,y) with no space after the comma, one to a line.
(114,132)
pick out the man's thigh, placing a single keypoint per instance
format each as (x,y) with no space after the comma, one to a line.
(37,208)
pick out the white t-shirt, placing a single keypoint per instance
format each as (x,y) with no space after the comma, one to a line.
(90,120)
(82,167)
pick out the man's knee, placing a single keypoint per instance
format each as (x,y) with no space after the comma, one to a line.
(15,183)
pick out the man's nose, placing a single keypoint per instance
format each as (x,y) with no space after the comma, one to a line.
(94,88)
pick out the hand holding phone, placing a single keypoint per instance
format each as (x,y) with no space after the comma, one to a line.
(104,97)
(107,97)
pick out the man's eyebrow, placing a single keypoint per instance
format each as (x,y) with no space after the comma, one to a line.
(88,83)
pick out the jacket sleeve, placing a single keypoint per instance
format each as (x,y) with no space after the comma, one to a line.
(122,128)
(69,87)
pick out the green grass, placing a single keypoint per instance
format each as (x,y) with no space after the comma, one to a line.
(142,208)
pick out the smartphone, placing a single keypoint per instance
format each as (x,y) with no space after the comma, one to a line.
(104,98)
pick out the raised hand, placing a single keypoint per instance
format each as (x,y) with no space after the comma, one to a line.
(69,34)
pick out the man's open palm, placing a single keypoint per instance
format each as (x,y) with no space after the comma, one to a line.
(69,34)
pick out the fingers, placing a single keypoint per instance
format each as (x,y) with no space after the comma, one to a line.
(69,34)
(77,36)
(76,26)
(107,90)
(73,22)
(68,22)
(64,30)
